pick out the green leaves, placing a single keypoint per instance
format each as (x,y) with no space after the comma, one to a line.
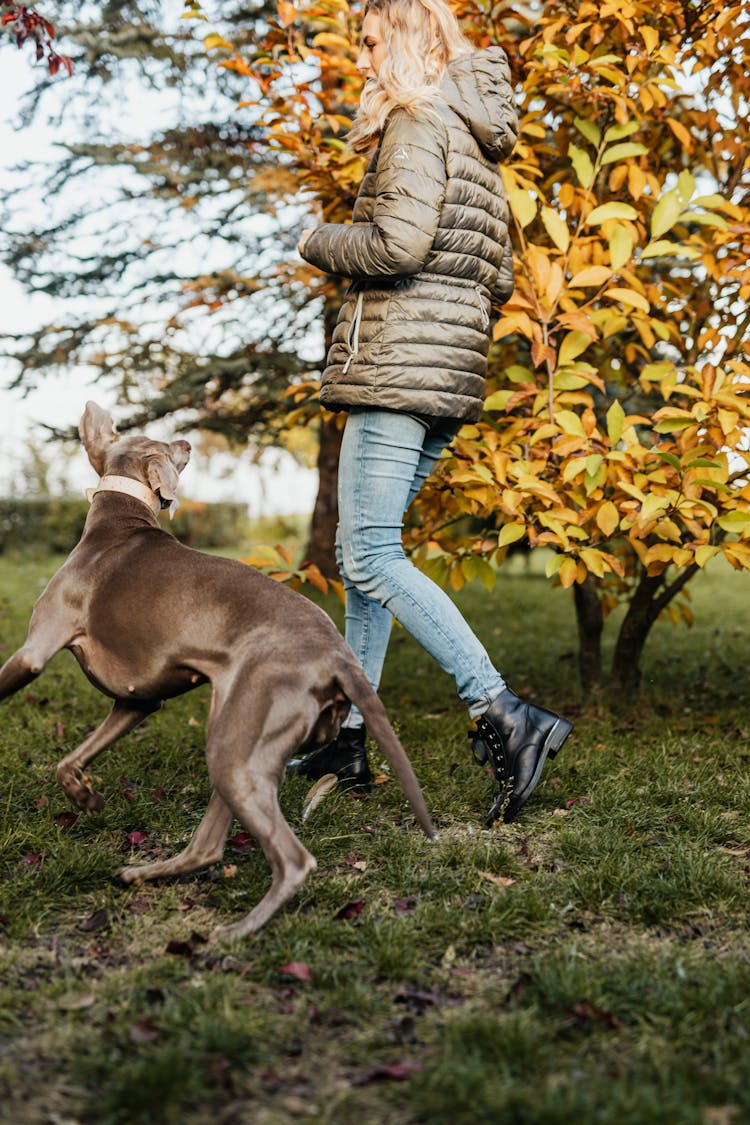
(623,151)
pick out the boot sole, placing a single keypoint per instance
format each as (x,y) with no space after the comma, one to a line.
(553,744)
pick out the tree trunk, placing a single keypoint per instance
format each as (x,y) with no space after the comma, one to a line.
(590,620)
(642,611)
(321,543)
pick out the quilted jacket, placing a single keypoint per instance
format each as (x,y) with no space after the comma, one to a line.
(427,251)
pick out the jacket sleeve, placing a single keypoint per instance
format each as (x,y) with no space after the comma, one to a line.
(504,282)
(410,185)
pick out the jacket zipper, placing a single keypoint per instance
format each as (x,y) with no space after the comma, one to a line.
(483,310)
(353,338)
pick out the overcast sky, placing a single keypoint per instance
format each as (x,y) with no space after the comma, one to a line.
(278,485)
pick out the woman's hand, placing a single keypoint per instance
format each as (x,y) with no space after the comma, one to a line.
(303,239)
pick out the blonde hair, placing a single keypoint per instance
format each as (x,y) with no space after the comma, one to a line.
(420,38)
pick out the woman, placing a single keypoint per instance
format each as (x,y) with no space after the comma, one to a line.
(427,253)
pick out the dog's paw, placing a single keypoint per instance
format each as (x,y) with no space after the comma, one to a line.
(91,802)
(130,874)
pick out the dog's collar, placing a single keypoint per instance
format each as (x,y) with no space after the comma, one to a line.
(134,488)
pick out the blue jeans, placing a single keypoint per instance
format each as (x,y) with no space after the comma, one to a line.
(385,458)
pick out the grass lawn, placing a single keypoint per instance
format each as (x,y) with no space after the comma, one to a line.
(589,963)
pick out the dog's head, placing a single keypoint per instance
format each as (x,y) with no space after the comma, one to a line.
(157,464)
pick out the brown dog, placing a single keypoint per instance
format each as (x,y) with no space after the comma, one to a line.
(148,618)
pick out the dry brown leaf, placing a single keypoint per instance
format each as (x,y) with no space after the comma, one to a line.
(317,793)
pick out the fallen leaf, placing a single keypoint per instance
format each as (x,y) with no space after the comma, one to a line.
(59,731)
(42,802)
(351,910)
(230,870)
(501,880)
(585,1012)
(158,795)
(144,1032)
(31,859)
(395,1071)
(66,819)
(241,842)
(405,905)
(298,969)
(381,779)
(99,920)
(317,793)
(357,864)
(139,906)
(575,801)
(76,1002)
(136,838)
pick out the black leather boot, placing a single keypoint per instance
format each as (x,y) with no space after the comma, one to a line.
(346,756)
(516,738)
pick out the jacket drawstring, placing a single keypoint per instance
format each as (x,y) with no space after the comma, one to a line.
(485,314)
(353,339)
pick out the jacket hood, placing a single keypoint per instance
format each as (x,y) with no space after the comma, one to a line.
(477,87)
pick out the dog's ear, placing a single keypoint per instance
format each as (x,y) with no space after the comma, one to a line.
(164,472)
(97,432)
(179,451)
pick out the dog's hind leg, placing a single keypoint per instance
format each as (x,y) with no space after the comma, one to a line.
(205,848)
(249,745)
(253,798)
(123,717)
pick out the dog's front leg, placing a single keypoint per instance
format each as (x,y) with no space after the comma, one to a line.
(123,717)
(206,847)
(20,669)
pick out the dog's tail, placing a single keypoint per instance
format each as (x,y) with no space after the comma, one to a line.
(358,689)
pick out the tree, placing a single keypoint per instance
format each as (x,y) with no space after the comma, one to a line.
(172,255)
(615,433)
(26,25)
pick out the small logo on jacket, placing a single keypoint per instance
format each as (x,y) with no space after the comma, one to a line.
(400,156)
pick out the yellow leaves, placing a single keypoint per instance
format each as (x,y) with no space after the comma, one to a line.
(607,518)
(569,422)
(581,162)
(287,13)
(665,214)
(738,554)
(523,207)
(567,572)
(612,210)
(650,38)
(737,521)
(681,133)
(623,152)
(615,422)
(512,322)
(591,276)
(556,228)
(621,246)
(511,533)
(663,247)
(573,345)
(589,130)
(705,553)
(212,41)
(629,297)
